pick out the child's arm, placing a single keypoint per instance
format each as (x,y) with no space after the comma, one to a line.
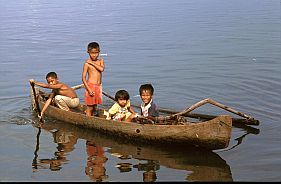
(43,85)
(48,102)
(131,109)
(153,111)
(84,80)
(99,66)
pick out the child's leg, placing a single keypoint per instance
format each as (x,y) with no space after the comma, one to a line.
(61,102)
(95,110)
(89,110)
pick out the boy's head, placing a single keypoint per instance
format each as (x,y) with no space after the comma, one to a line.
(146,92)
(52,78)
(93,50)
(122,97)
(93,45)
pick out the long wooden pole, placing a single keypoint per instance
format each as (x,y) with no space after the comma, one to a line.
(107,95)
(202,102)
(238,121)
(36,101)
(77,86)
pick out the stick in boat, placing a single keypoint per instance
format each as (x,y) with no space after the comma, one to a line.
(202,102)
(107,95)
(36,102)
(77,86)
(235,121)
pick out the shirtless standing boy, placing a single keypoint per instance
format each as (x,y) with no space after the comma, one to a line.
(93,67)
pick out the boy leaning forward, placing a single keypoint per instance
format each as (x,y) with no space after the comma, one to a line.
(93,67)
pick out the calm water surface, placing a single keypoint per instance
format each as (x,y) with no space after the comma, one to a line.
(189,50)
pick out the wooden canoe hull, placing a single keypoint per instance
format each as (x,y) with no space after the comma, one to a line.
(213,134)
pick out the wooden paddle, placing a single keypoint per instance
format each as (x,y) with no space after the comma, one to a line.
(36,101)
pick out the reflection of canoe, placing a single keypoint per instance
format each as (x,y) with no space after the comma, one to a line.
(201,165)
(212,134)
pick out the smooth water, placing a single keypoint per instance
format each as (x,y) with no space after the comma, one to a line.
(188,49)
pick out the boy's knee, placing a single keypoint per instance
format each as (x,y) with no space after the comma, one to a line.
(58,98)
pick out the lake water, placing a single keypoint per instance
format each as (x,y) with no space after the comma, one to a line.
(188,49)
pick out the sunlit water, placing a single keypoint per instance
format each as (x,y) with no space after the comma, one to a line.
(189,50)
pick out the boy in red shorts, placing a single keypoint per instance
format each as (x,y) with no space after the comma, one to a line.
(93,67)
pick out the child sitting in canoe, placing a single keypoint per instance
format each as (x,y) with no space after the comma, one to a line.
(64,96)
(121,110)
(148,107)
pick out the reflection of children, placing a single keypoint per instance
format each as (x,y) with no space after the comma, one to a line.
(149,176)
(148,107)
(66,142)
(65,97)
(122,110)
(150,169)
(93,85)
(95,163)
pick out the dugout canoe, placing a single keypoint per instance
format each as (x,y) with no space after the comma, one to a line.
(212,134)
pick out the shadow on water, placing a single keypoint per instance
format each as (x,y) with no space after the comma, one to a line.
(201,165)
(248,129)
(34,161)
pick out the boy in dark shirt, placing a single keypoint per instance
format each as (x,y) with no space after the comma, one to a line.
(148,107)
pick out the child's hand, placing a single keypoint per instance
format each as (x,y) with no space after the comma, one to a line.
(89,62)
(31,81)
(91,93)
(107,115)
(40,117)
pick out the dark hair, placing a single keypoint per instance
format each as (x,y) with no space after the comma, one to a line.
(51,74)
(147,87)
(122,95)
(93,45)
